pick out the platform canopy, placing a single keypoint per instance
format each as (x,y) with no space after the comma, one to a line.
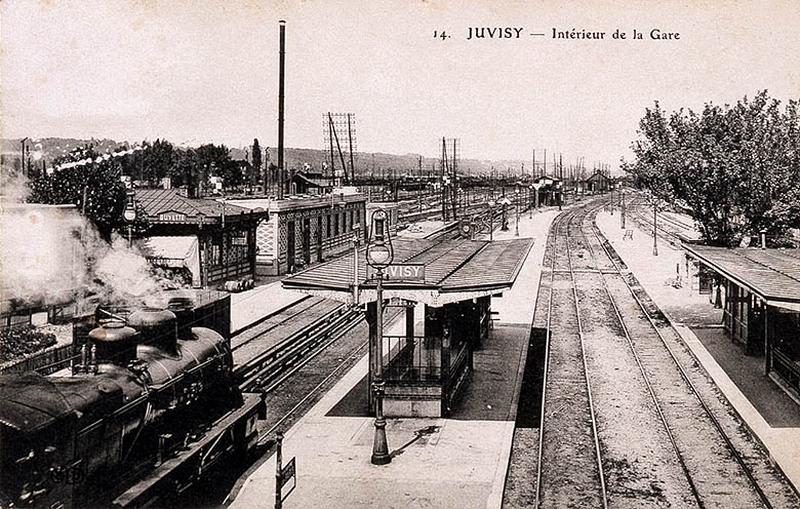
(771,274)
(454,270)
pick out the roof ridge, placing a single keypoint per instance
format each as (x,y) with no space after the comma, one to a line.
(464,262)
(766,266)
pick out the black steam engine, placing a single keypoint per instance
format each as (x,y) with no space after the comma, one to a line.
(152,405)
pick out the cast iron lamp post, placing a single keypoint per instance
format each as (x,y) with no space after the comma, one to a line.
(379,256)
(491,219)
(130,216)
(622,212)
(530,201)
(516,205)
(356,243)
(505,202)
(655,227)
(558,185)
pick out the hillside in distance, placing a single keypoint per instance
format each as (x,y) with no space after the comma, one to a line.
(366,163)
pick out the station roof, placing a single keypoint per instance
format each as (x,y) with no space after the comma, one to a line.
(170,206)
(455,270)
(771,274)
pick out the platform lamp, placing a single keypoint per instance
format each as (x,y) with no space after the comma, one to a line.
(379,256)
(560,196)
(130,216)
(356,244)
(622,211)
(516,204)
(505,202)
(491,219)
(530,201)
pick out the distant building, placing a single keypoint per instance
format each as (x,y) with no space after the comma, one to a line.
(597,183)
(208,240)
(307,182)
(305,229)
(550,191)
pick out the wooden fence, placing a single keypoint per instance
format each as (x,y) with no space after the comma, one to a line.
(45,362)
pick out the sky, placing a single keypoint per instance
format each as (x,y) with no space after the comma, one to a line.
(207,71)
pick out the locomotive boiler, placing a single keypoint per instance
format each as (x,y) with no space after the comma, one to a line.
(151,406)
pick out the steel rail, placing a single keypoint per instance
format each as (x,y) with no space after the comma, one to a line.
(565,217)
(585,365)
(269,364)
(271,327)
(266,317)
(732,449)
(639,364)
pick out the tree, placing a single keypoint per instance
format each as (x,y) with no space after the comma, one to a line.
(736,167)
(92,177)
(216,160)
(256,176)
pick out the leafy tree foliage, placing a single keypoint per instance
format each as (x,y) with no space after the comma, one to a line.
(216,160)
(98,181)
(737,167)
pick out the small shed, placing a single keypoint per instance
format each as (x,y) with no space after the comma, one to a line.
(597,183)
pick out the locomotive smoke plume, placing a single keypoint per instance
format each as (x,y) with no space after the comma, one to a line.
(56,256)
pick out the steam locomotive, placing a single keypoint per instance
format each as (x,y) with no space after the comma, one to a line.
(151,406)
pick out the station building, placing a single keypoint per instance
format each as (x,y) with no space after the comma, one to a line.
(392,209)
(305,229)
(550,191)
(759,290)
(426,368)
(595,184)
(211,241)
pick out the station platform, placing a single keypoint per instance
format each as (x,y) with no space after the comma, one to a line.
(460,461)
(766,409)
(249,306)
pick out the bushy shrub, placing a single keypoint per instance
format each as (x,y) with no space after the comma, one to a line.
(18,341)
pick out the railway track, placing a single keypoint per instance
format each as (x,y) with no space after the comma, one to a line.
(574,477)
(269,368)
(669,229)
(633,407)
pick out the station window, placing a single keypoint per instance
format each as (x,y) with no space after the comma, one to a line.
(215,257)
(336,224)
(328,226)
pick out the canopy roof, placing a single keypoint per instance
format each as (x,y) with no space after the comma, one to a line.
(771,274)
(455,270)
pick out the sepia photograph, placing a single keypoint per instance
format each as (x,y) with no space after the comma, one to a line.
(457,254)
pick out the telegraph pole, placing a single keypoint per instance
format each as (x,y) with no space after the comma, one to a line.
(544,171)
(442,171)
(454,196)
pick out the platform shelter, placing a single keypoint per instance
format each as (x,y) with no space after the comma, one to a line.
(760,295)
(452,282)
